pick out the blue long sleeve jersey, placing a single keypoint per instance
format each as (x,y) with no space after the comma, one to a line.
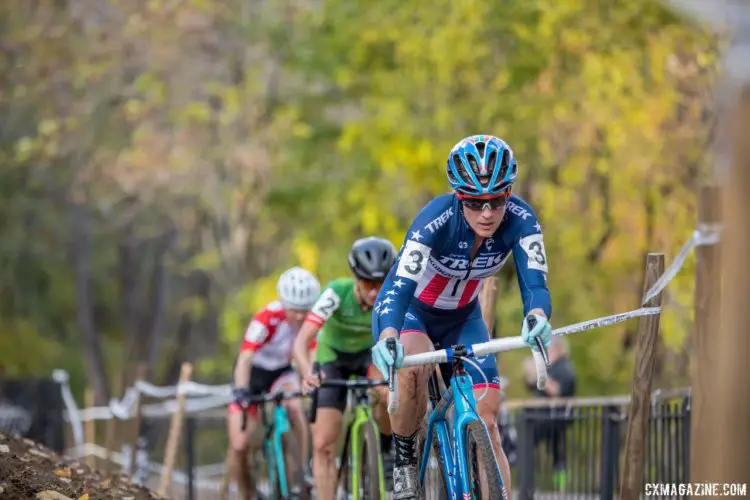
(434,265)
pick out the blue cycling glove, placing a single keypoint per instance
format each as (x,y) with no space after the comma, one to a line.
(383,357)
(536,326)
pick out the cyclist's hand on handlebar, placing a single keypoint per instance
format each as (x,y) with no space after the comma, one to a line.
(311,381)
(536,326)
(241,396)
(386,354)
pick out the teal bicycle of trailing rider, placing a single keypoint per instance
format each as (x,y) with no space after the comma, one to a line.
(360,473)
(278,465)
(462,448)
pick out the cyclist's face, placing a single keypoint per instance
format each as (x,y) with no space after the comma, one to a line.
(368,290)
(295,317)
(485,214)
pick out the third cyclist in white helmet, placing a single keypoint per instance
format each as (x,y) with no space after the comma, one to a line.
(264,366)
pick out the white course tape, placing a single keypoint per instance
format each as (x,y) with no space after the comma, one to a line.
(76,423)
(156,391)
(704,234)
(606,320)
(188,388)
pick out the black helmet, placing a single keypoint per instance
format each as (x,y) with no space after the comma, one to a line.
(371,258)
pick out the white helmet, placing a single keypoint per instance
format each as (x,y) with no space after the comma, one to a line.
(298,288)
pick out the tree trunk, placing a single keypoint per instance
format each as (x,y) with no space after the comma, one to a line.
(81,255)
(129,266)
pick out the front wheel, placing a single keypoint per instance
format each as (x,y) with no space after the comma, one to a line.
(434,480)
(371,464)
(481,464)
(293,468)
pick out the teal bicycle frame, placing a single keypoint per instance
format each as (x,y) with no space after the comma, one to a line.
(273,436)
(461,397)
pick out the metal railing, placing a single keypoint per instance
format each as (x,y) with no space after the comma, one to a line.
(574,448)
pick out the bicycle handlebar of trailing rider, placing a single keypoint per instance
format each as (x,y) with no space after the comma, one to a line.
(278,397)
(349,384)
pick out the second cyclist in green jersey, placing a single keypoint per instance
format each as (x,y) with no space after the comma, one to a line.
(341,319)
(345,324)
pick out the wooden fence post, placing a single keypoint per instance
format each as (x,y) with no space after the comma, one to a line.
(173,439)
(487,301)
(727,438)
(703,345)
(640,404)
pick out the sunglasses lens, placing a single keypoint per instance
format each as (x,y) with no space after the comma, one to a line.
(478,205)
(371,284)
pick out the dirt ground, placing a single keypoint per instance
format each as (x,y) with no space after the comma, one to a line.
(30,471)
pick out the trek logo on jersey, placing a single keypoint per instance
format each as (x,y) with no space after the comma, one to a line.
(517,210)
(441,219)
(481,262)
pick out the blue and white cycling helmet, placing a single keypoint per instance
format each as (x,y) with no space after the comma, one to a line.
(481,165)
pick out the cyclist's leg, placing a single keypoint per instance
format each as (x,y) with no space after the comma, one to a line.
(238,448)
(326,429)
(241,443)
(380,409)
(475,331)
(289,382)
(412,404)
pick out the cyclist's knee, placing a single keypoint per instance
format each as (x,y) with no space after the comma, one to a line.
(415,342)
(324,444)
(294,408)
(489,408)
(238,444)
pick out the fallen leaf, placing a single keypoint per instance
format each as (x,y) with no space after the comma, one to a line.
(85,496)
(63,472)
(38,453)
(51,495)
(105,484)
(4,448)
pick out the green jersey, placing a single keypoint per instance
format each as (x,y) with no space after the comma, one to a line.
(345,327)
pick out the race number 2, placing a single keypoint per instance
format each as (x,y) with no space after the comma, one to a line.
(326,304)
(533,245)
(413,261)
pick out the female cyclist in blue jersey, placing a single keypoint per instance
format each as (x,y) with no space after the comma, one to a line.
(430,294)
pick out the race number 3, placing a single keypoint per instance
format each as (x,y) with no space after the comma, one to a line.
(533,245)
(413,261)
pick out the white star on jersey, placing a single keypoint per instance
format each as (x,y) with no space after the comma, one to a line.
(398,283)
(416,235)
(385,311)
(538,227)
(387,300)
(391,292)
